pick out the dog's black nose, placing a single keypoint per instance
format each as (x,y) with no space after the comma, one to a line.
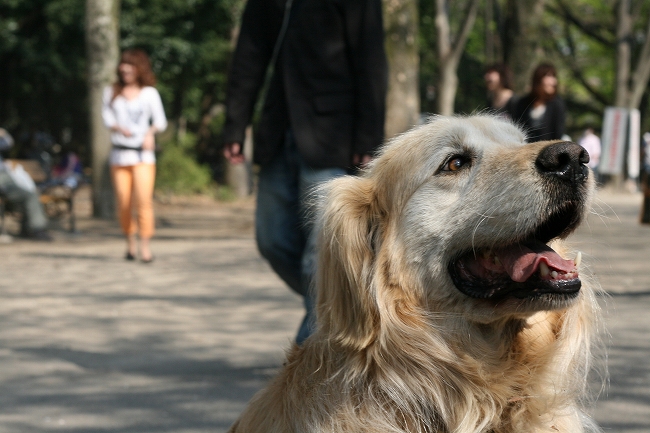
(565,160)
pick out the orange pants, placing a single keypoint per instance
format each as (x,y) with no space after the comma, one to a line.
(134,191)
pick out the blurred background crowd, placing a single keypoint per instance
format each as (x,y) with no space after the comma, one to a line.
(438,52)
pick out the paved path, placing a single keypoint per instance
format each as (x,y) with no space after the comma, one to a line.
(618,249)
(92,343)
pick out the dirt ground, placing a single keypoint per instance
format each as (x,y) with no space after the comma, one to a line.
(92,343)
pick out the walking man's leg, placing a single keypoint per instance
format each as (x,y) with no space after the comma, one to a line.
(277,220)
(283,224)
(310,178)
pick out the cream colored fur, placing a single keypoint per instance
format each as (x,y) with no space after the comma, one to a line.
(398,347)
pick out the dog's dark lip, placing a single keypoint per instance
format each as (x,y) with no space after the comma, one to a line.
(499,286)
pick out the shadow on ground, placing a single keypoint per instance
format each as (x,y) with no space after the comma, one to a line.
(92,343)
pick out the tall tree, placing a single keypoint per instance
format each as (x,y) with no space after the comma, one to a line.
(523,39)
(450,49)
(403,99)
(631,80)
(618,33)
(102,52)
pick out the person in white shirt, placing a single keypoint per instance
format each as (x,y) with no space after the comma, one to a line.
(591,143)
(133,111)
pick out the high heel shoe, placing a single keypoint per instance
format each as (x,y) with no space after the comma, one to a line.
(149,260)
(129,256)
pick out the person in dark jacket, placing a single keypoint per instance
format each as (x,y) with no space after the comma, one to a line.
(498,82)
(323,113)
(542,112)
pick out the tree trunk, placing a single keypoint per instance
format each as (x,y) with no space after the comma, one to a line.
(489,34)
(447,87)
(522,45)
(102,52)
(641,74)
(623,53)
(239,177)
(449,52)
(403,99)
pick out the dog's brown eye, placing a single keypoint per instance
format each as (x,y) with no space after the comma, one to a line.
(455,163)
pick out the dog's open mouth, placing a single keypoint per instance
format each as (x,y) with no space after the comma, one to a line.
(523,270)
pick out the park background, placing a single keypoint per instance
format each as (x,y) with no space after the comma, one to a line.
(91,343)
(55,53)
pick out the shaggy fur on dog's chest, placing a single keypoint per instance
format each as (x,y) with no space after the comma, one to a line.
(447,299)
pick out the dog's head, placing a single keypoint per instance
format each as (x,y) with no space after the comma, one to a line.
(454,216)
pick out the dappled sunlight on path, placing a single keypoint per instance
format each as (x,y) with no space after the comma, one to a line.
(90,342)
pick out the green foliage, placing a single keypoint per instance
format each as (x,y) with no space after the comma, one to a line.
(189,43)
(584,49)
(42,68)
(178,172)
(43,60)
(586,62)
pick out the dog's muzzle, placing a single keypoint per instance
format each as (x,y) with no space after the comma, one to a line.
(527,267)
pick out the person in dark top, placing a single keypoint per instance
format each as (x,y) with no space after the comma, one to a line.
(542,112)
(322,115)
(498,82)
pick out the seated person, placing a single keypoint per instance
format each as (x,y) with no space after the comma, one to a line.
(68,171)
(22,197)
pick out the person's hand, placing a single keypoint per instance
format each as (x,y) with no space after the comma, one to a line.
(233,153)
(361,160)
(125,132)
(149,142)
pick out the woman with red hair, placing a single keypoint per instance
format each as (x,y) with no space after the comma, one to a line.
(542,112)
(133,111)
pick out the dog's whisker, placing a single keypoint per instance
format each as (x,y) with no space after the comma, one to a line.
(601,215)
(601,210)
(484,217)
(600,203)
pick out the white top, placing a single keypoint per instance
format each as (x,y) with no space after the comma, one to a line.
(591,143)
(135,115)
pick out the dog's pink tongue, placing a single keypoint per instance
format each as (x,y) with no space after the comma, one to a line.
(520,262)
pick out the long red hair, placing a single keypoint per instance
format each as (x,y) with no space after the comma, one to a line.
(539,73)
(140,60)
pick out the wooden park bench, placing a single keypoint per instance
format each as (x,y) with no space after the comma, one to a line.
(57,198)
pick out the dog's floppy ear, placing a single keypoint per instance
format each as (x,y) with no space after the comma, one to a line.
(347,307)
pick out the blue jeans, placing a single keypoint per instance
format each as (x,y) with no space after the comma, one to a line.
(284,230)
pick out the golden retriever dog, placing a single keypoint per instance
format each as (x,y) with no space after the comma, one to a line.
(441,306)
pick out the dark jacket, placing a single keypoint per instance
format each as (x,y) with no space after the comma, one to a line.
(552,123)
(329,84)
